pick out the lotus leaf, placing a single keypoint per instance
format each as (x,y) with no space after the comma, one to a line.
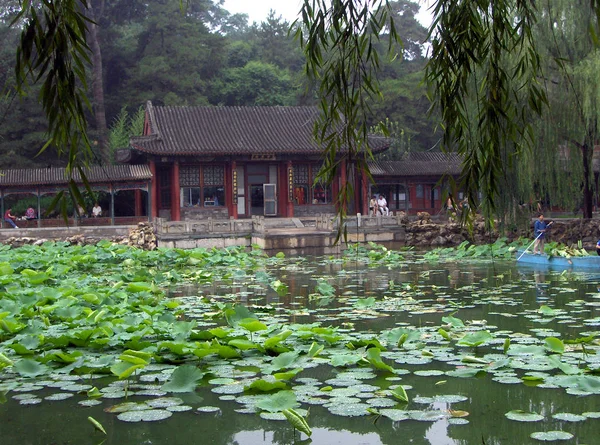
(124,369)
(30,368)
(400,394)
(242,344)
(185,378)
(569,417)
(278,402)
(262,385)
(475,339)
(551,436)
(315,349)
(453,321)
(148,415)
(373,356)
(524,416)
(555,345)
(285,360)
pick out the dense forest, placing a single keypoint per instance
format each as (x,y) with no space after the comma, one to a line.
(142,51)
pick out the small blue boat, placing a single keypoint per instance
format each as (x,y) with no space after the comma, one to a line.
(558,262)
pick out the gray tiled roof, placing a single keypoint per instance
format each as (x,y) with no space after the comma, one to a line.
(233,130)
(419,164)
(57,176)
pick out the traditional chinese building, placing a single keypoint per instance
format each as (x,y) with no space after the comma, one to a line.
(418,182)
(234,162)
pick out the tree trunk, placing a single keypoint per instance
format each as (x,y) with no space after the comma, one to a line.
(588,204)
(98,86)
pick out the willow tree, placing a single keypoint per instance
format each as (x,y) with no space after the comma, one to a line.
(561,162)
(487,74)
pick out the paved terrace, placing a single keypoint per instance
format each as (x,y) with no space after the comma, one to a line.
(289,234)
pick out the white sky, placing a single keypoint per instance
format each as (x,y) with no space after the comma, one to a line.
(258,10)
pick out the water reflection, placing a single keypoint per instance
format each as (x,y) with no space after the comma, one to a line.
(319,436)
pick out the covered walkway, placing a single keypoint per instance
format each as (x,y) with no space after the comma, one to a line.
(123,192)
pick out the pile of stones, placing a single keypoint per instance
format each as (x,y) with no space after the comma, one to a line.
(142,237)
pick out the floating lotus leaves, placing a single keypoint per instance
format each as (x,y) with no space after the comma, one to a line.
(551,436)
(148,415)
(569,417)
(285,360)
(426,416)
(127,406)
(429,372)
(342,360)
(474,339)
(396,415)
(59,396)
(252,325)
(351,409)
(365,303)
(263,385)
(164,402)
(373,356)
(453,321)
(30,368)
(466,372)
(272,416)
(278,401)
(209,409)
(185,378)
(523,416)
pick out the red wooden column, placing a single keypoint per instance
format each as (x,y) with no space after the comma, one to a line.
(232,195)
(138,202)
(288,187)
(365,192)
(153,211)
(357,191)
(175,194)
(343,181)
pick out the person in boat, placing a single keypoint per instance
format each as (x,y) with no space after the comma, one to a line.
(539,232)
(598,247)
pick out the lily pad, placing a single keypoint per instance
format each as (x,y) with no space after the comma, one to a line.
(569,417)
(278,401)
(551,436)
(523,416)
(148,415)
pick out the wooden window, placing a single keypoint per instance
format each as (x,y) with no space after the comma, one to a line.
(305,189)
(202,185)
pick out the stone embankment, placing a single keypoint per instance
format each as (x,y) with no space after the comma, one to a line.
(426,233)
(142,236)
(421,233)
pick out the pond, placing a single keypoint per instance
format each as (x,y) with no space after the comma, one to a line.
(375,347)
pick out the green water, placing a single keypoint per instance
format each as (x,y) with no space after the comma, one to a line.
(496,296)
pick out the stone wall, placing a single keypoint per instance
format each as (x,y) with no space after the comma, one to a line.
(422,233)
(445,234)
(142,236)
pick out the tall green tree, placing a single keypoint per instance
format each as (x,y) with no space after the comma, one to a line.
(256,83)
(403,99)
(569,130)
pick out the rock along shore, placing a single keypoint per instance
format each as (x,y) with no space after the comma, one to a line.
(421,233)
